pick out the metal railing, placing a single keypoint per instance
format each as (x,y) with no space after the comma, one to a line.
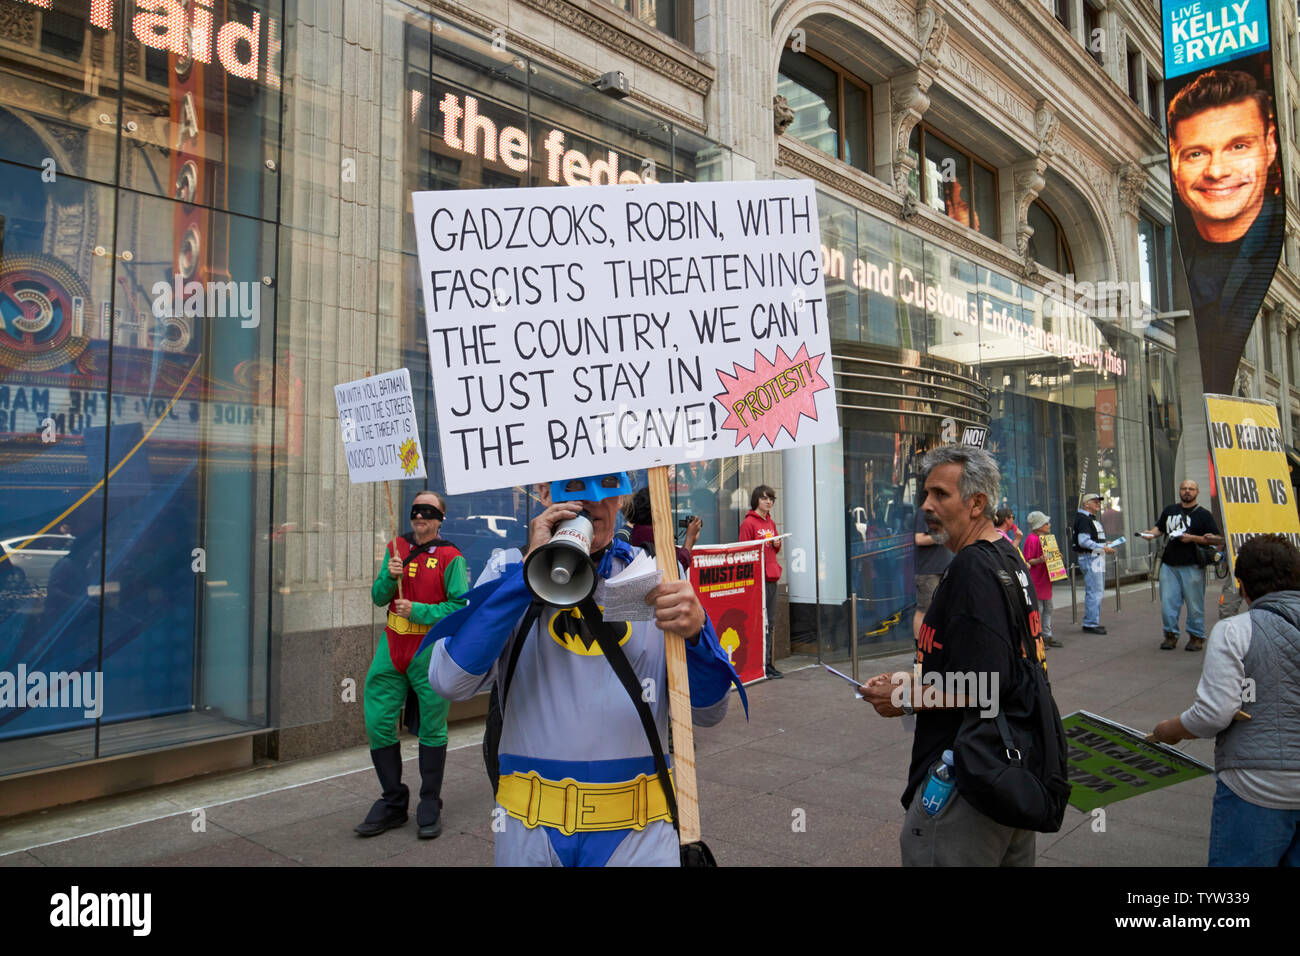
(1152,575)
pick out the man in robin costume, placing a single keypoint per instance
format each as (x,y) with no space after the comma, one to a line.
(578,783)
(434,581)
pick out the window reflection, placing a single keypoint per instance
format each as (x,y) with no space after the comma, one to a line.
(951,181)
(832,109)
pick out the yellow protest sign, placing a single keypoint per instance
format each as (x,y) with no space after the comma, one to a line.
(1052,552)
(1251,470)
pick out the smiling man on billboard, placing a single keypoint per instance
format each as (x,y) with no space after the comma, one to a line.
(1223,155)
(1225,169)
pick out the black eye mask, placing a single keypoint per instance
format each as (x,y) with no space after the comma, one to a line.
(429,512)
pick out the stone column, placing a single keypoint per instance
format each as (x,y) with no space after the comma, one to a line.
(736,36)
(908,92)
(1192,458)
(1132,182)
(1027,180)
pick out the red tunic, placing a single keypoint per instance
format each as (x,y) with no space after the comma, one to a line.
(422,583)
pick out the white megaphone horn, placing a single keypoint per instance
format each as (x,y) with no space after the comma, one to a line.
(560,572)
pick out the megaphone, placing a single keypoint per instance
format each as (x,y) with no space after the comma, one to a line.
(560,572)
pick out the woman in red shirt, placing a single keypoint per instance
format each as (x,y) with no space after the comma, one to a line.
(759,524)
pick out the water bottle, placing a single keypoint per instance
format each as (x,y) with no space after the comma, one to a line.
(939,787)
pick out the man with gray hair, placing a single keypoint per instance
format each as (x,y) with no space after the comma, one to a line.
(1090,549)
(966,631)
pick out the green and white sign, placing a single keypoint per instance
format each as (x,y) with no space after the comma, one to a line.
(1110,762)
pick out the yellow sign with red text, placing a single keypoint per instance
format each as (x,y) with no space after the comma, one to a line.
(1052,552)
(1250,470)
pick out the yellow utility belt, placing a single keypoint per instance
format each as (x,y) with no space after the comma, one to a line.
(400,625)
(570,807)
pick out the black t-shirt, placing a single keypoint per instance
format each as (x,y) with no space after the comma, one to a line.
(1197,520)
(965,631)
(930,558)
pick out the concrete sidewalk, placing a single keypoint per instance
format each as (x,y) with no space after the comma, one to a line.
(813,778)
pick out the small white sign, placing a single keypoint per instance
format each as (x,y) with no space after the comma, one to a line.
(381,438)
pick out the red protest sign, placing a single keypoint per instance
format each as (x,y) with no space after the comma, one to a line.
(729,580)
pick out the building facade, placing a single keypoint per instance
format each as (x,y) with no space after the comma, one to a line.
(205,223)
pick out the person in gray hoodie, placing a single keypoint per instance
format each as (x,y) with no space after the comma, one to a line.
(1249,699)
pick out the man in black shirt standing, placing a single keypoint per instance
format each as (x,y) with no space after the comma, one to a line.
(1181,577)
(965,640)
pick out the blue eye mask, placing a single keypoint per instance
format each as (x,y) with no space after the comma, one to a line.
(592,488)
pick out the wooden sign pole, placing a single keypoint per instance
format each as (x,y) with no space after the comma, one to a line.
(679,691)
(393,523)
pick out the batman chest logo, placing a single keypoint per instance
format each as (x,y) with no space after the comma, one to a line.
(567,629)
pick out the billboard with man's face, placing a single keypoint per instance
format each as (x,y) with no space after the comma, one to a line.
(1225,167)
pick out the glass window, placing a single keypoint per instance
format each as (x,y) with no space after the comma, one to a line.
(953,182)
(673,17)
(857,130)
(1147,260)
(839,227)
(1266,337)
(1153,100)
(1094,38)
(62,34)
(1047,245)
(947,177)
(811,90)
(1134,76)
(207,128)
(160,411)
(832,110)
(1061,10)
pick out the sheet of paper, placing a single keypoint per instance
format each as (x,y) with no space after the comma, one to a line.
(623,595)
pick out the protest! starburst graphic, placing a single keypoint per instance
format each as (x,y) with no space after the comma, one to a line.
(772,396)
(410,456)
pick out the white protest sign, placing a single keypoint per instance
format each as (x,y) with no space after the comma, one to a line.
(380,436)
(599,328)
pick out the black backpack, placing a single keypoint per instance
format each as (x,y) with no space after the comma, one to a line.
(1011,767)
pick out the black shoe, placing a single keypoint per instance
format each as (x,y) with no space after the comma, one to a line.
(381,818)
(773,673)
(389,810)
(1053,642)
(1170,641)
(428,814)
(1093,629)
